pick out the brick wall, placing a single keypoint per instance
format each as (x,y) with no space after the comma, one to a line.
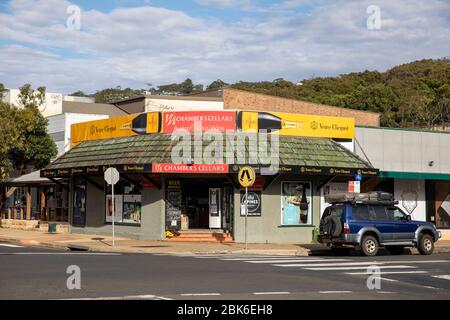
(243,100)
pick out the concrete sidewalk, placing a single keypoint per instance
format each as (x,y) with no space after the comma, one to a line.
(101,243)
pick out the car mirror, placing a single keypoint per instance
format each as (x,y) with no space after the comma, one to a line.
(408,218)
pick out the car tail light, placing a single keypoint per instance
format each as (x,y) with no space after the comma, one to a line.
(346,228)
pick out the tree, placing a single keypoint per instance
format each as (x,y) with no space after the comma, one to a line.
(79,93)
(31,98)
(217,84)
(187,86)
(37,148)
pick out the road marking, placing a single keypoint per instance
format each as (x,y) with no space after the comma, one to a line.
(357,268)
(343,291)
(418,261)
(10,245)
(294,260)
(199,294)
(133,297)
(386,272)
(385,292)
(387,279)
(271,259)
(61,253)
(270,293)
(329,264)
(443,276)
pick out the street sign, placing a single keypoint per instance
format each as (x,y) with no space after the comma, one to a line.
(354,186)
(112,176)
(358,177)
(246,177)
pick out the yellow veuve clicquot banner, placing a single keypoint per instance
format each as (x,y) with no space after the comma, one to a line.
(292,124)
(124,126)
(289,124)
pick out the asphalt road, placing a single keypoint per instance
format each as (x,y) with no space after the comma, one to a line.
(34,273)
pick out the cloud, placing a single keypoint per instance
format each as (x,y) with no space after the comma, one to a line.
(134,46)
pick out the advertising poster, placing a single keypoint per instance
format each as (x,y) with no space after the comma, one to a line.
(118,206)
(291,124)
(209,121)
(296,205)
(132,208)
(118,127)
(254,203)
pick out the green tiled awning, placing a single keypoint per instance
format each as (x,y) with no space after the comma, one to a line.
(157,148)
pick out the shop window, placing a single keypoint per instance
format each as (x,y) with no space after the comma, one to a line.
(296,205)
(127,203)
(79,203)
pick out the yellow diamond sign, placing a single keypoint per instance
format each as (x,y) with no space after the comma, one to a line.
(246,177)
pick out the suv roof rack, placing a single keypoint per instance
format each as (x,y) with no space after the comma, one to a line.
(373,197)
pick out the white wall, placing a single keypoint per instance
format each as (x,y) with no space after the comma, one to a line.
(181,105)
(52,104)
(404,150)
(411,196)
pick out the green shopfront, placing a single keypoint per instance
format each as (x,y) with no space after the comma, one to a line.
(155,195)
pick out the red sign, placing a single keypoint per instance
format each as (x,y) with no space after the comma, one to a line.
(185,168)
(354,186)
(199,121)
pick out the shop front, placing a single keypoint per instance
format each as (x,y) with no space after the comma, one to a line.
(164,195)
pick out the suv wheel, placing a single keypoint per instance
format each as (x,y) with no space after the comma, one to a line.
(369,246)
(395,250)
(425,244)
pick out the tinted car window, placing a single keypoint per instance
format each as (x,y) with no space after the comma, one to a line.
(396,214)
(360,212)
(378,213)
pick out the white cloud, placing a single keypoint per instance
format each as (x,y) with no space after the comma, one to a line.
(134,46)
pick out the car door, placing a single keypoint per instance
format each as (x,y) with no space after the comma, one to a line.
(405,229)
(381,221)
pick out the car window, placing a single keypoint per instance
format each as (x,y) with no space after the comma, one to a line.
(360,212)
(338,211)
(378,213)
(396,214)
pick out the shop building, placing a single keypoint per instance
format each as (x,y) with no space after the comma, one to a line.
(156,194)
(414,166)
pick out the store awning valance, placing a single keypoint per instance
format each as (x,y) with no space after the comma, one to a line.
(153,153)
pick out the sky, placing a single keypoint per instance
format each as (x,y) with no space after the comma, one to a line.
(89,45)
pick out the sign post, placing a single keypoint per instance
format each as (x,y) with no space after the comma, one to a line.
(246,177)
(112,177)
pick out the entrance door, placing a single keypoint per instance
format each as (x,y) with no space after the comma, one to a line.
(215,208)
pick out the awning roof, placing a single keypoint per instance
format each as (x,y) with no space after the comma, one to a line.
(146,150)
(32,178)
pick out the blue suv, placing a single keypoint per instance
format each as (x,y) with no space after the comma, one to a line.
(368,221)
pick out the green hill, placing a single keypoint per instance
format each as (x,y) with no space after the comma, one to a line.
(415,94)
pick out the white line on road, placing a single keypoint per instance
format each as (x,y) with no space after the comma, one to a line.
(270,293)
(443,276)
(133,297)
(357,268)
(387,272)
(329,264)
(292,260)
(199,294)
(343,291)
(272,258)
(10,245)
